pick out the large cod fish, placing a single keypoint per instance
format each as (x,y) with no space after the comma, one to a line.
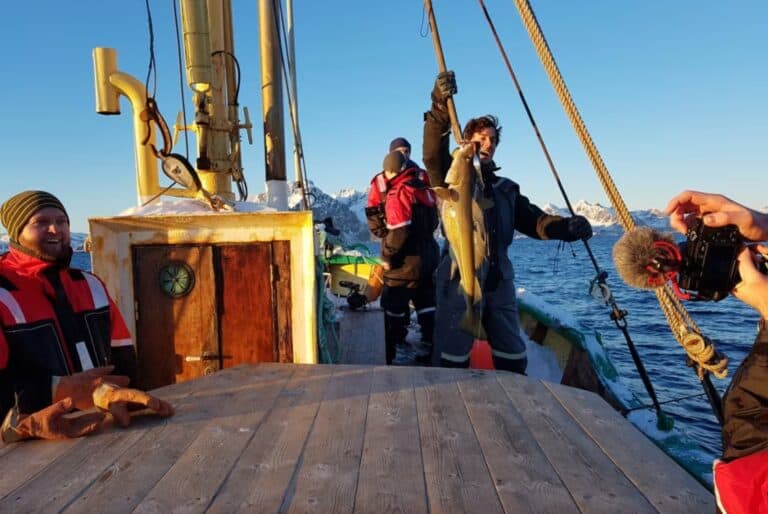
(462,208)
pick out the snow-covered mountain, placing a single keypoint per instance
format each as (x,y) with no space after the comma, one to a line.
(605,217)
(347,209)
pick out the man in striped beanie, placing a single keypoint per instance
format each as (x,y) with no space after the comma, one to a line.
(61,334)
(38,225)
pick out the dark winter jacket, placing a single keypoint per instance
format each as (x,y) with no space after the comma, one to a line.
(741,476)
(377,193)
(411,217)
(511,210)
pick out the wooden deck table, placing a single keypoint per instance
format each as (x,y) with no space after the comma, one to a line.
(368,439)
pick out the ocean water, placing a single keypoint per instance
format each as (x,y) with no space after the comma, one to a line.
(560,274)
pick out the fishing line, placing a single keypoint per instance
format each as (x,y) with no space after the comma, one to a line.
(234,103)
(152,67)
(617,315)
(158,195)
(283,42)
(242,185)
(673,400)
(423,32)
(181,79)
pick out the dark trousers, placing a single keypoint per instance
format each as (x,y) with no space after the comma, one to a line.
(397,313)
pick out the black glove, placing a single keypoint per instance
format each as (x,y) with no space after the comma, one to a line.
(578,228)
(445,88)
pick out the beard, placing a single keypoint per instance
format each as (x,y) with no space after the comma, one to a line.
(55,253)
(51,249)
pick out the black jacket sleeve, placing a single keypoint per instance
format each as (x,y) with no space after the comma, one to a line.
(377,225)
(6,393)
(125,362)
(530,219)
(745,405)
(393,243)
(436,153)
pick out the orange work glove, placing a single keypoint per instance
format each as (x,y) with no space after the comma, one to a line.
(119,401)
(80,386)
(50,423)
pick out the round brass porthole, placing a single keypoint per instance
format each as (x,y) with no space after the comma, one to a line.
(176,279)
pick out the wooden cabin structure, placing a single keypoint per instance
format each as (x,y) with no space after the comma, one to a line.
(205,292)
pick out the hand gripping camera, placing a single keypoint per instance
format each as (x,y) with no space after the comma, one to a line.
(704,267)
(709,260)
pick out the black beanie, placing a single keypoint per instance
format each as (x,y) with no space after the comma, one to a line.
(17,210)
(394,162)
(399,142)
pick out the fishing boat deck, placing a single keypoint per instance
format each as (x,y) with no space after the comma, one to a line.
(361,334)
(339,438)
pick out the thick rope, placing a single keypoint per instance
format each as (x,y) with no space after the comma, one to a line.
(617,314)
(681,324)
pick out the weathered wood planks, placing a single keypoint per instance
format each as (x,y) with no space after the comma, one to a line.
(314,438)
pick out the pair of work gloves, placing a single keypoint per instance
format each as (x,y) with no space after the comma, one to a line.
(83,391)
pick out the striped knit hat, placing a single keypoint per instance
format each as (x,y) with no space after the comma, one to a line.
(17,210)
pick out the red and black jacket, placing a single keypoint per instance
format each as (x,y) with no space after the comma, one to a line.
(377,195)
(741,476)
(54,321)
(409,245)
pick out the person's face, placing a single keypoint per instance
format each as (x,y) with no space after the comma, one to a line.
(405,151)
(47,233)
(487,139)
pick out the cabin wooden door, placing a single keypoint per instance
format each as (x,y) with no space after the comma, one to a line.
(253,301)
(176,332)
(203,308)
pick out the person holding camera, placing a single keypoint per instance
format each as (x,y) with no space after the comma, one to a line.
(741,474)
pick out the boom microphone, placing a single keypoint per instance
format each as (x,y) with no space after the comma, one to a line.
(645,258)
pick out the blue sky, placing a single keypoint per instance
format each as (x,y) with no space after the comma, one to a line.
(675,94)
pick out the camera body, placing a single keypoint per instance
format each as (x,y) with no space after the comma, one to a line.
(709,260)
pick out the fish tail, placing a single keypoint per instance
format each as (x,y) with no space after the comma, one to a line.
(472,324)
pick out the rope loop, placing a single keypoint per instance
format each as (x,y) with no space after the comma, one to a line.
(702,353)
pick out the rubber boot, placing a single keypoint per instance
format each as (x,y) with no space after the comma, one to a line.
(427,324)
(515,366)
(445,363)
(395,330)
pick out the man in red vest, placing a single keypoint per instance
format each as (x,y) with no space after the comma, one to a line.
(61,335)
(409,251)
(379,226)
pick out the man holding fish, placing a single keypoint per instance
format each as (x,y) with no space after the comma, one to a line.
(480,212)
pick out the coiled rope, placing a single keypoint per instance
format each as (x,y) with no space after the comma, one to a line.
(699,348)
